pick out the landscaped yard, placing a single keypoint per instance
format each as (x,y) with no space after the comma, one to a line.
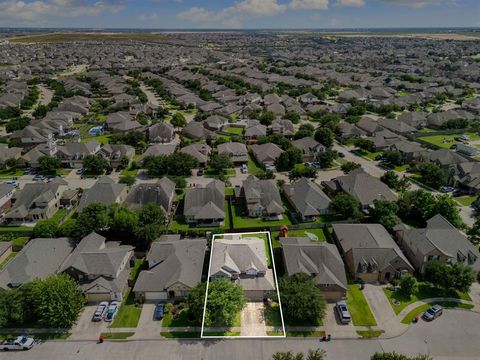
(272,314)
(446,141)
(11,173)
(235,130)
(318,232)
(421,309)
(240,220)
(367,154)
(102,139)
(425,291)
(133,172)
(466,200)
(253,167)
(180,335)
(135,271)
(129,314)
(358,307)
(180,319)
(59,215)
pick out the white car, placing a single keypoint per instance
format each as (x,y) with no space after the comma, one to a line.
(112,311)
(343,313)
(100,311)
(79,171)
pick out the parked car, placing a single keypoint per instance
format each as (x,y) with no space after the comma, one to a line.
(379,157)
(343,313)
(341,154)
(100,311)
(80,171)
(12,182)
(38,178)
(159,311)
(244,169)
(200,172)
(112,311)
(19,343)
(432,313)
(448,189)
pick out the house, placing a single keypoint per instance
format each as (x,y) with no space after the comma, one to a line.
(237,152)
(307,198)
(439,240)
(310,148)
(101,268)
(196,130)
(243,260)
(205,205)
(174,269)
(118,154)
(158,149)
(396,126)
(7,153)
(410,150)
(72,154)
(215,123)
(161,193)
(369,252)
(105,191)
(362,186)
(369,125)
(444,158)
(201,152)
(266,154)
(254,131)
(466,175)
(122,122)
(322,261)
(416,119)
(261,198)
(5,251)
(38,259)
(36,201)
(348,130)
(282,126)
(161,133)
(6,193)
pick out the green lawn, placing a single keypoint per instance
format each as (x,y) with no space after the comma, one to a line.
(242,221)
(180,319)
(129,172)
(235,130)
(229,191)
(135,271)
(12,229)
(20,241)
(319,233)
(446,141)
(117,336)
(421,309)
(59,215)
(272,315)
(253,167)
(275,333)
(369,334)
(177,225)
(401,168)
(129,314)
(358,307)
(11,173)
(466,200)
(180,335)
(11,256)
(46,336)
(367,154)
(425,291)
(102,139)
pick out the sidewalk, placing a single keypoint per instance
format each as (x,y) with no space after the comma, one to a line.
(416,304)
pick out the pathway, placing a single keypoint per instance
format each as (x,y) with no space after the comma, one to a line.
(401,315)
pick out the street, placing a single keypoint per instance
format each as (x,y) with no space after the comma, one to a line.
(453,336)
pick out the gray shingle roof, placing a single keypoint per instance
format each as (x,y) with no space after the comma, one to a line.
(206,202)
(307,198)
(161,193)
(105,191)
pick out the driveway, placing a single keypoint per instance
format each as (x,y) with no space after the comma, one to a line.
(334,327)
(148,327)
(252,320)
(85,328)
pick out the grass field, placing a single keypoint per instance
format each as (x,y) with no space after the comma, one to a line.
(235,130)
(102,139)
(253,167)
(421,309)
(11,256)
(78,36)
(446,141)
(466,200)
(11,173)
(369,334)
(117,336)
(358,307)
(129,314)
(243,221)
(425,291)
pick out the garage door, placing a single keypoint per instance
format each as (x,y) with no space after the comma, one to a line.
(98,297)
(156,295)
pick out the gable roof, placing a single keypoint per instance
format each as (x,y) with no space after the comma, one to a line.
(160,193)
(105,191)
(307,198)
(205,202)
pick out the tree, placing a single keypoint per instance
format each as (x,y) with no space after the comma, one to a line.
(45,229)
(390,178)
(302,301)
(176,164)
(196,302)
(67,228)
(18,123)
(364,144)
(395,356)
(14,309)
(95,164)
(11,163)
(122,221)
(277,139)
(432,175)
(462,277)
(307,172)
(225,301)
(267,117)
(325,136)
(127,179)
(448,208)
(220,163)
(350,166)
(93,217)
(287,160)
(417,205)
(384,212)
(305,130)
(49,164)
(326,158)
(408,285)
(56,301)
(293,116)
(346,206)
(437,273)
(178,120)
(151,223)
(392,157)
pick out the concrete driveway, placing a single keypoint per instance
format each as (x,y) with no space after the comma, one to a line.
(334,327)
(85,328)
(148,327)
(252,320)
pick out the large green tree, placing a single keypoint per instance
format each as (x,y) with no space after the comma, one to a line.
(225,300)
(287,160)
(302,301)
(432,175)
(151,224)
(220,163)
(196,302)
(325,136)
(95,164)
(346,206)
(49,164)
(94,217)
(45,229)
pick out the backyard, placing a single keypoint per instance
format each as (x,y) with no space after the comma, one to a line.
(241,220)
(181,225)
(446,141)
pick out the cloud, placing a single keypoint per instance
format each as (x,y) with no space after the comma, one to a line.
(350,2)
(38,11)
(257,7)
(309,4)
(413,3)
(197,14)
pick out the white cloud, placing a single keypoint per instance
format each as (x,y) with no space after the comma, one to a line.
(257,7)
(38,11)
(350,2)
(413,3)
(197,14)
(309,4)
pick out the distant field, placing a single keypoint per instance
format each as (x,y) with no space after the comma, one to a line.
(65,37)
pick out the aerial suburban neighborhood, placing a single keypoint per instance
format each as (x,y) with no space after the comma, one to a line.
(200,187)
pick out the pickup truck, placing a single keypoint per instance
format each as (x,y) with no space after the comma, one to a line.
(20,343)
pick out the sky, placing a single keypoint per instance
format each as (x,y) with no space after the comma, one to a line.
(240,14)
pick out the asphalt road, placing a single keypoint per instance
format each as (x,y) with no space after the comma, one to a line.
(454,336)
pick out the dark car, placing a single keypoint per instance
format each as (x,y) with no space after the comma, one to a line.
(379,157)
(200,172)
(159,310)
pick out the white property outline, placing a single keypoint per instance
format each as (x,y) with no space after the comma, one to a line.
(276,285)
